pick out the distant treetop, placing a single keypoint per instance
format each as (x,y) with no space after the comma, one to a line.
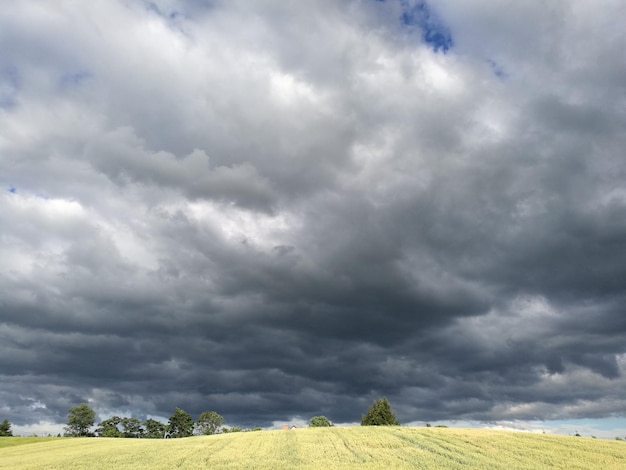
(319,422)
(379,414)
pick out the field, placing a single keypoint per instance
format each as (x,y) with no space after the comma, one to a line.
(323,448)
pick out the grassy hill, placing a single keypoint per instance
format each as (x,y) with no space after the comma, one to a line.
(323,448)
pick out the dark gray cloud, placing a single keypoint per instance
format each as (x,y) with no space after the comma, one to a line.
(283,210)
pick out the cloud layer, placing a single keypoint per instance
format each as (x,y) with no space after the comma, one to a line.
(285,209)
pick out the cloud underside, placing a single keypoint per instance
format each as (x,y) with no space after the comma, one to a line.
(280,211)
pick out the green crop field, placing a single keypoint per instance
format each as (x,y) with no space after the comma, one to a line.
(323,448)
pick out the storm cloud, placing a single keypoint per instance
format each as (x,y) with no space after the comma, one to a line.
(283,209)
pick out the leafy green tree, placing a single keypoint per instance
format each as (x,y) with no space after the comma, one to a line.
(5,429)
(154,429)
(180,424)
(79,420)
(132,427)
(319,422)
(379,414)
(109,427)
(210,422)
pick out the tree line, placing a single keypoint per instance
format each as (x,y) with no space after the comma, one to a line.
(81,419)
(378,414)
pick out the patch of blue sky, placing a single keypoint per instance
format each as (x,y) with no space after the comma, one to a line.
(497,69)
(435,32)
(168,14)
(154,8)
(172,18)
(12,190)
(9,87)
(75,79)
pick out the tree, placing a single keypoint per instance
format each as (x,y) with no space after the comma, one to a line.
(154,429)
(319,422)
(109,427)
(132,427)
(5,429)
(210,422)
(79,419)
(379,414)
(180,424)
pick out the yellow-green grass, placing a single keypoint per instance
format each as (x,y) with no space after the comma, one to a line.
(325,448)
(18,441)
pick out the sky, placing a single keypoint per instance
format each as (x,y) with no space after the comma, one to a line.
(282,209)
